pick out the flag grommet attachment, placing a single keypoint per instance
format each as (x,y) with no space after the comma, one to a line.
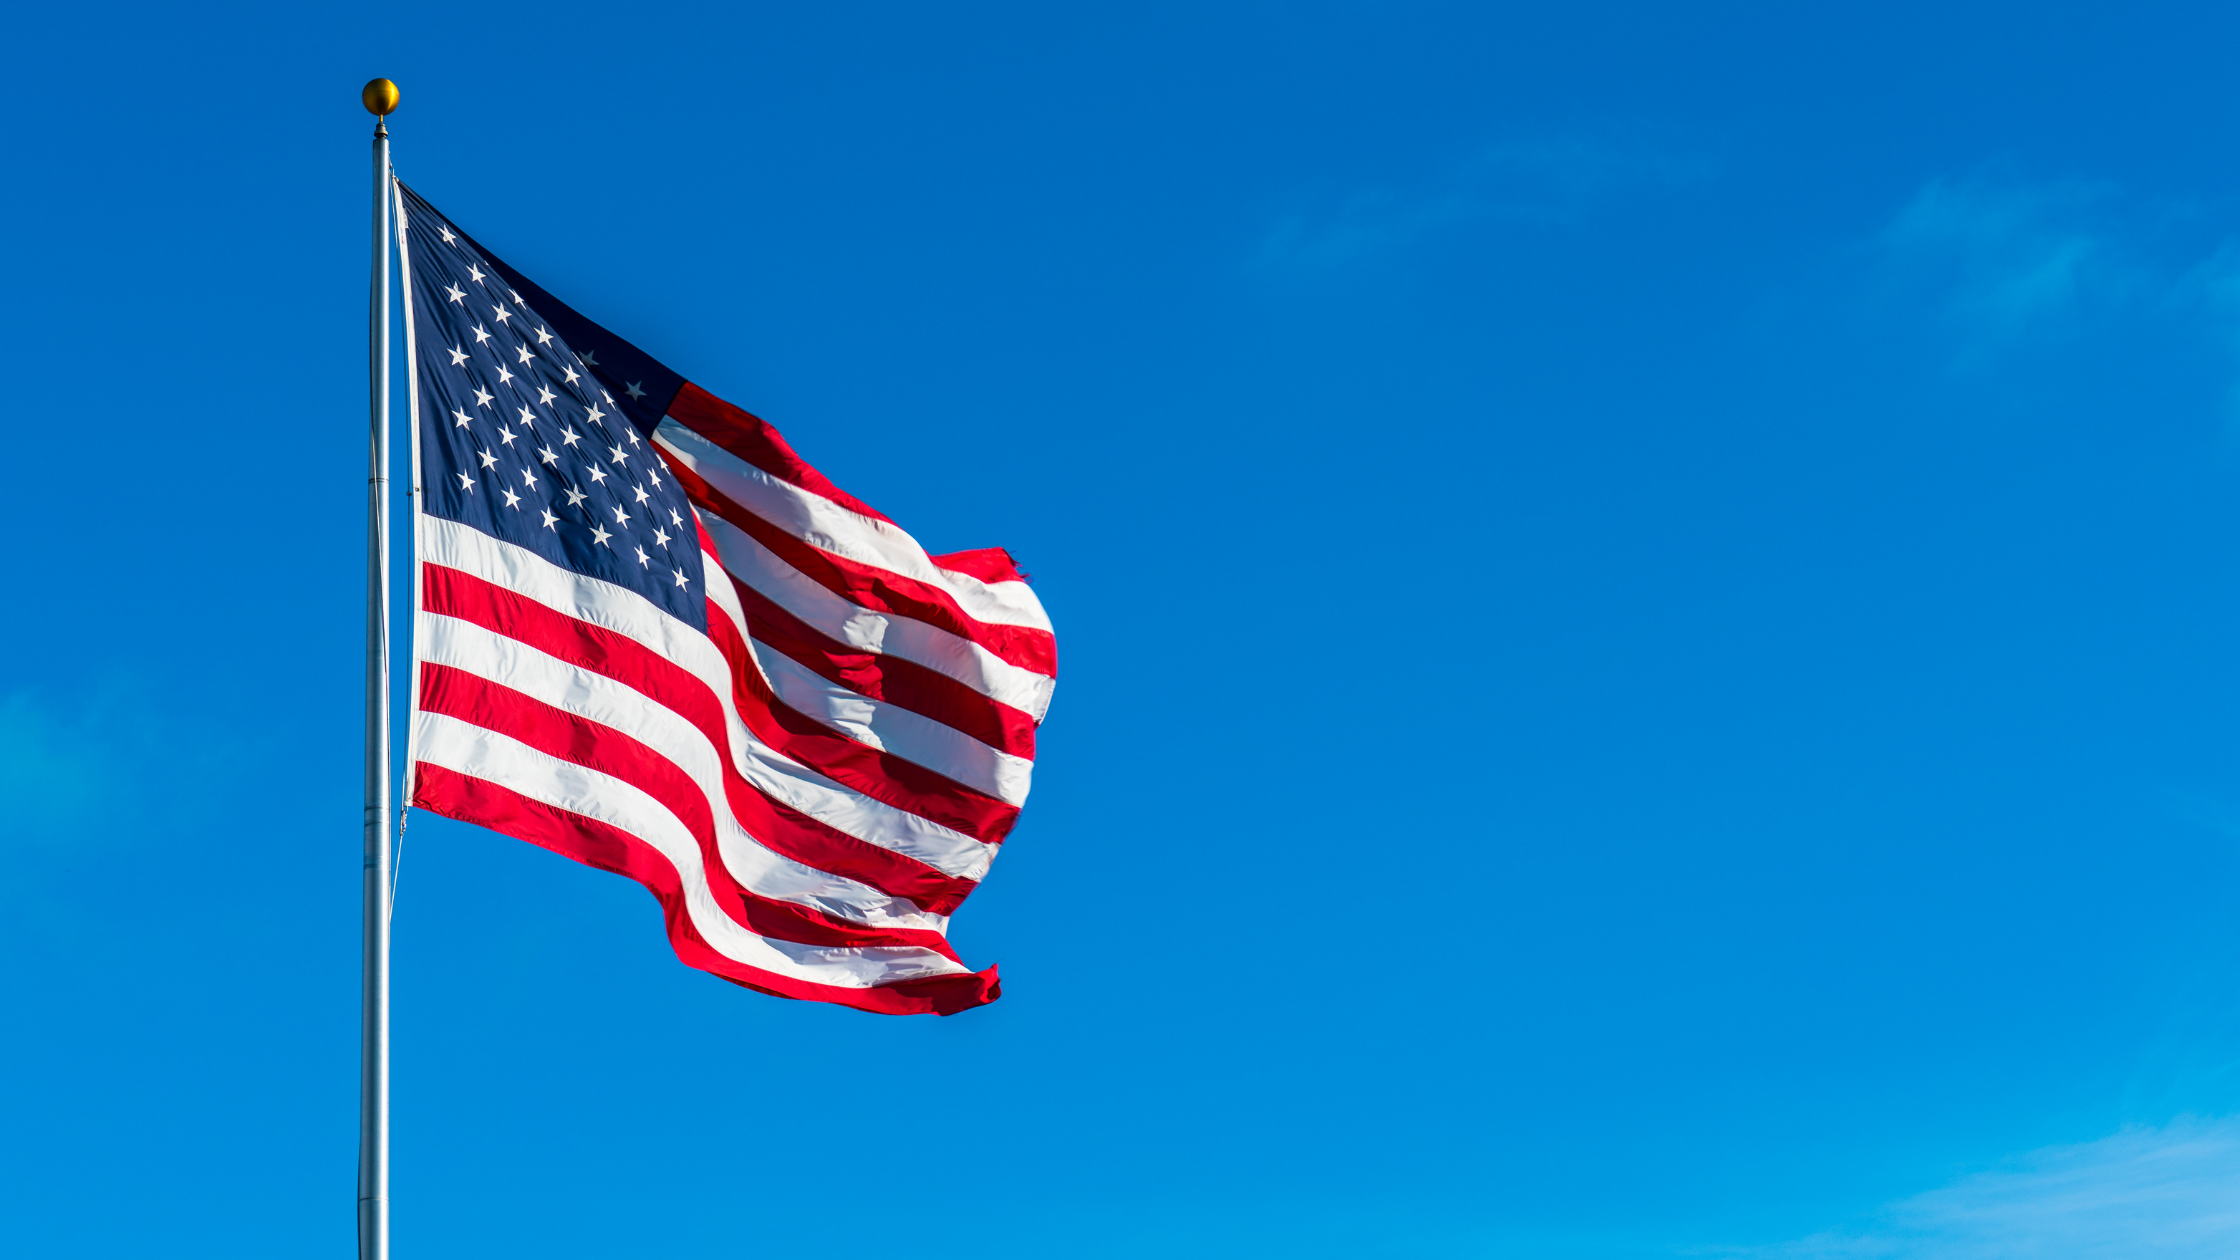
(380,97)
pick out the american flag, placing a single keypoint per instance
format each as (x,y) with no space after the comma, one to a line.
(651,638)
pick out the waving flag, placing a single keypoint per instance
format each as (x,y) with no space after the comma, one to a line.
(652,638)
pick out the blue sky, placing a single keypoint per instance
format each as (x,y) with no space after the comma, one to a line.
(1649,601)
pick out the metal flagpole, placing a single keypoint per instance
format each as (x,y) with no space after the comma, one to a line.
(380,97)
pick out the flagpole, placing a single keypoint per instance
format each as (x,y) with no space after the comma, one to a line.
(380,97)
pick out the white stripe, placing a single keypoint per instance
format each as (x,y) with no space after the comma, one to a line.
(597,698)
(827,526)
(524,572)
(485,754)
(944,750)
(634,617)
(888,634)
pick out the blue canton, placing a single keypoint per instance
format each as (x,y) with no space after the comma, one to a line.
(521,440)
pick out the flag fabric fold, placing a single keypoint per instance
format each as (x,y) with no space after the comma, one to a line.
(651,637)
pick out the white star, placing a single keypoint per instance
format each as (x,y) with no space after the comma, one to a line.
(600,535)
(643,559)
(466,483)
(458,356)
(447,235)
(633,390)
(529,478)
(544,335)
(547,454)
(457,294)
(569,437)
(598,475)
(481,334)
(501,313)
(660,536)
(675,519)
(549,518)
(590,360)
(505,376)
(621,517)
(525,355)
(545,395)
(573,376)
(596,416)
(488,460)
(505,437)
(609,397)
(474,273)
(680,577)
(641,493)
(620,456)
(528,418)
(481,396)
(512,500)
(576,496)
(653,474)
(633,435)
(462,416)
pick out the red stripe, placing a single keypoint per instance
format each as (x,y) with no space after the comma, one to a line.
(989,564)
(923,691)
(876,773)
(755,440)
(751,438)
(452,593)
(878,589)
(578,740)
(609,848)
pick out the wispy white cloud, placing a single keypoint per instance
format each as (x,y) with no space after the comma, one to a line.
(2009,259)
(2214,285)
(51,765)
(1999,267)
(1543,181)
(72,763)
(2168,1193)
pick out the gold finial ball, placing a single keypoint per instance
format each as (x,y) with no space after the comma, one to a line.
(380,97)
